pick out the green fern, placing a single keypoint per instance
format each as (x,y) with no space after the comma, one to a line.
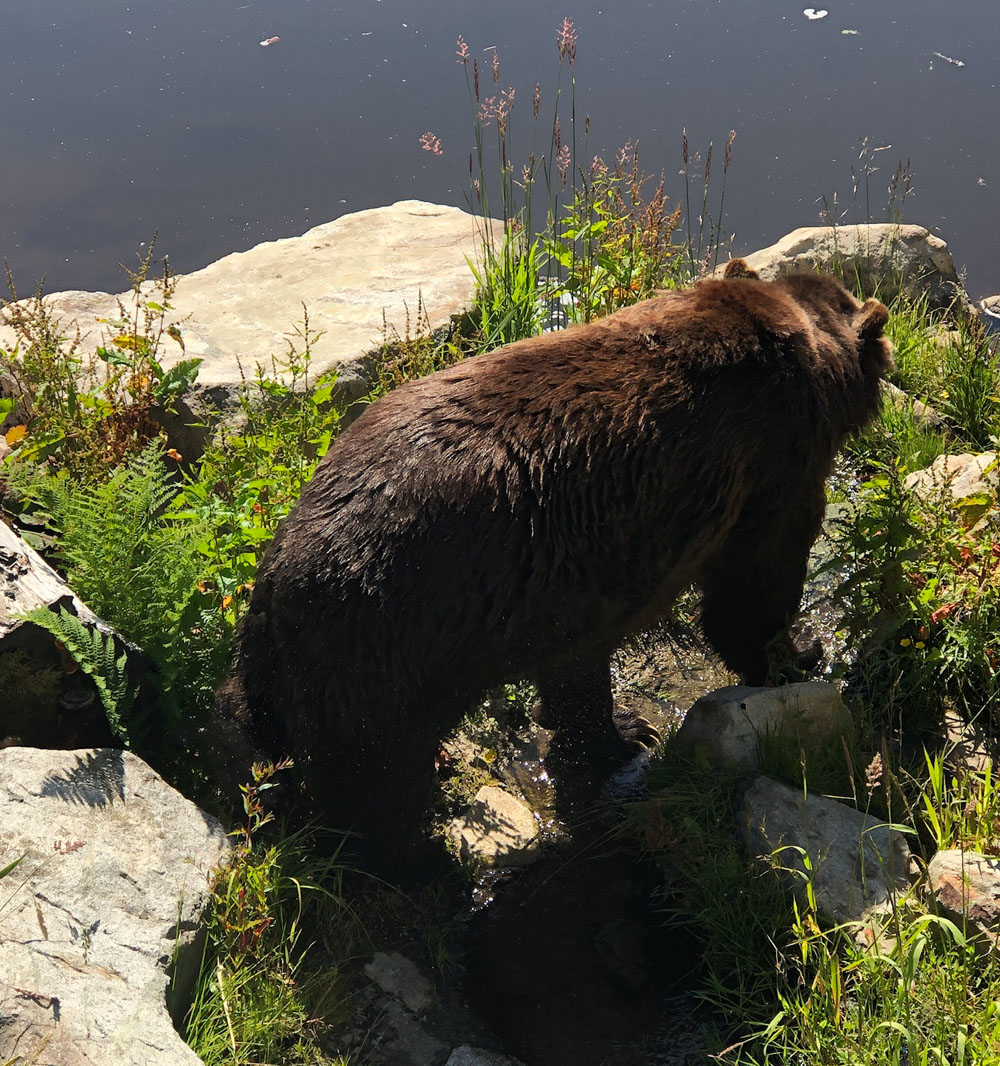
(137,565)
(95,652)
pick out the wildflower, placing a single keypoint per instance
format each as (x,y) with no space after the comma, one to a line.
(475,78)
(562,162)
(462,51)
(920,645)
(557,133)
(504,108)
(873,774)
(598,166)
(496,68)
(431,143)
(487,110)
(536,99)
(905,642)
(708,163)
(566,40)
(627,150)
(174,454)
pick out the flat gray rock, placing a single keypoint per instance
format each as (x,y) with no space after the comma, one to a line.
(108,896)
(349,272)
(402,978)
(496,830)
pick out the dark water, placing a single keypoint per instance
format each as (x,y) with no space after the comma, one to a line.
(118,119)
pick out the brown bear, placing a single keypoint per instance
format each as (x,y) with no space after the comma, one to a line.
(520,514)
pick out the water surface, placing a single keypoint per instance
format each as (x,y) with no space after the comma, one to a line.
(124,118)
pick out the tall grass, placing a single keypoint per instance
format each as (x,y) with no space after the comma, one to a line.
(565,235)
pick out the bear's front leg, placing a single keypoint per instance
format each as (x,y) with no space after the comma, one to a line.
(753,584)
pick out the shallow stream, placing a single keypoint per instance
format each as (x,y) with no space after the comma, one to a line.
(576,961)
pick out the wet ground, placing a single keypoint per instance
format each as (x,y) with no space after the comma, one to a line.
(578,960)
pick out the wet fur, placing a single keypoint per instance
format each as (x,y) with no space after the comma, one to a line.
(519,514)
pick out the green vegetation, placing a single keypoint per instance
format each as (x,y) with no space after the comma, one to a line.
(268,992)
(564,233)
(165,547)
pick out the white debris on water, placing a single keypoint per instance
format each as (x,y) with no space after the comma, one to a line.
(814,13)
(948,59)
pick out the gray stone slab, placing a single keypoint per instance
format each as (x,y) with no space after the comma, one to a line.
(108,897)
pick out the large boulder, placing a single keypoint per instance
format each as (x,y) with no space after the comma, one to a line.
(100,918)
(882,259)
(354,275)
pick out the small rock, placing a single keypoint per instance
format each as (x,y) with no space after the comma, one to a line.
(965,885)
(730,723)
(497,830)
(397,1038)
(397,975)
(991,305)
(963,479)
(471,1056)
(859,865)
(923,415)
(967,743)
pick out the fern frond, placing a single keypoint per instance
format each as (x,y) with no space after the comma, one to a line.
(95,652)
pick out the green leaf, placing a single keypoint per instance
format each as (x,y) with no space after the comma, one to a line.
(178,379)
(11,866)
(113,357)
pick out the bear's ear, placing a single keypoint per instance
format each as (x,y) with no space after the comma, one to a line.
(872,319)
(737,268)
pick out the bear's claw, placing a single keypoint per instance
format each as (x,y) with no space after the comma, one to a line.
(637,732)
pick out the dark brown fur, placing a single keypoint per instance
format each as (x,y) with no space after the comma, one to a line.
(520,514)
